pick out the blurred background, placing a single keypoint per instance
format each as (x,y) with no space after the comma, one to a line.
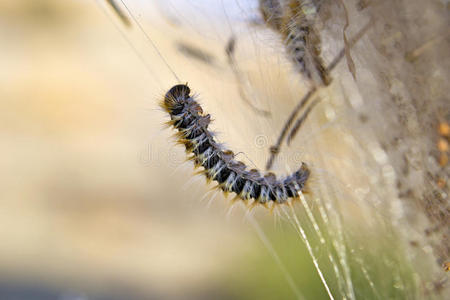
(97,201)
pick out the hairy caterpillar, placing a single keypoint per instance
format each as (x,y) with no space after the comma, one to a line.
(295,21)
(219,165)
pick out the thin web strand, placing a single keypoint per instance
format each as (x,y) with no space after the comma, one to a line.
(150,41)
(262,236)
(309,248)
(130,44)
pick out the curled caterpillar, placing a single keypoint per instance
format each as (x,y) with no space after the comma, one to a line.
(218,164)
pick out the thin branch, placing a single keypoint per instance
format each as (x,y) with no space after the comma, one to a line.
(229,50)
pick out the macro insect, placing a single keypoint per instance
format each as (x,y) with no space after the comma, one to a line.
(219,164)
(296,21)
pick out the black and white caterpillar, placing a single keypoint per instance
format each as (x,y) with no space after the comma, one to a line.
(295,21)
(219,164)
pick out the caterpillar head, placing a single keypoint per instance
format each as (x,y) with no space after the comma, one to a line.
(176,97)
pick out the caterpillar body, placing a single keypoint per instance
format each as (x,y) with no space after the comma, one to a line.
(295,21)
(219,164)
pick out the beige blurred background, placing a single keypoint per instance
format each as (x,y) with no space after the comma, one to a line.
(96,201)
(91,199)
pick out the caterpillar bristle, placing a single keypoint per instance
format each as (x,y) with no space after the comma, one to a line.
(252,205)
(273,208)
(234,201)
(236,198)
(181,141)
(200,172)
(218,164)
(225,193)
(162,105)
